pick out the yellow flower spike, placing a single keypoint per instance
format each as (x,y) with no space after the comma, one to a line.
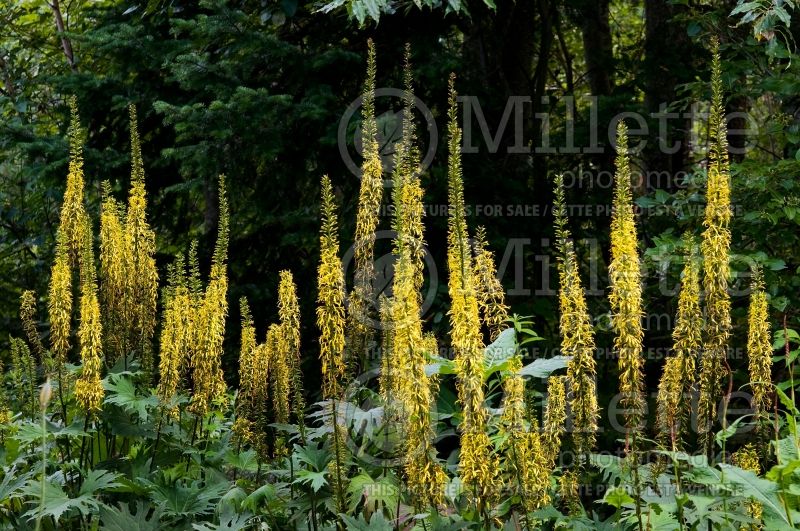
(404,369)
(367,217)
(289,314)
(491,297)
(388,377)
(478,465)
(577,334)
(759,347)
(555,416)
(716,268)
(176,333)
(73,212)
(330,298)
(678,379)
(23,376)
(526,471)
(209,322)
(27,314)
(141,273)
(113,275)
(89,390)
(279,373)
(626,293)
(331,319)
(246,360)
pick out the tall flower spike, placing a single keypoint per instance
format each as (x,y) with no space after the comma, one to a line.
(23,376)
(330,299)
(478,465)
(89,390)
(141,274)
(209,383)
(113,275)
(27,314)
(369,201)
(289,313)
(716,268)
(759,346)
(177,331)
(331,323)
(491,297)
(677,384)
(73,212)
(424,474)
(69,242)
(280,379)
(626,293)
(577,334)
(246,359)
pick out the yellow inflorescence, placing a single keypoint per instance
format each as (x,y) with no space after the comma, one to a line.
(577,334)
(525,461)
(247,360)
(555,416)
(113,274)
(478,464)
(759,347)
(279,373)
(677,383)
(73,213)
(177,333)
(141,280)
(69,243)
(367,217)
(626,291)
(209,322)
(330,298)
(491,297)
(89,387)
(411,387)
(289,314)
(716,268)
(27,314)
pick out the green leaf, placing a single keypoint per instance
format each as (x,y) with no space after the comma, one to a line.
(617,497)
(762,490)
(122,392)
(145,518)
(56,502)
(317,480)
(543,367)
(99,480)
(187,499)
